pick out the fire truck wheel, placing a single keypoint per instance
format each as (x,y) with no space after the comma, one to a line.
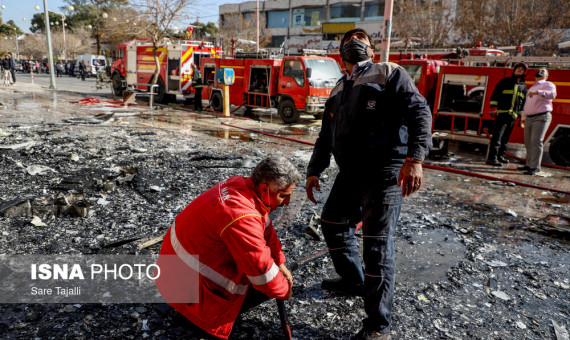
(162,96)
(288,112)
(117,85)
(217,102)
(560,150)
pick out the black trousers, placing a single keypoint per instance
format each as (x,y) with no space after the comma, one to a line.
(198,98)
(504,124)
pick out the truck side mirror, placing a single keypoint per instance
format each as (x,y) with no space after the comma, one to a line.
(309,72)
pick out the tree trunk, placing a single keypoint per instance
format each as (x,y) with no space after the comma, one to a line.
(156,62)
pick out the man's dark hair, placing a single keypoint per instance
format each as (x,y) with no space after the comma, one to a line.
(351,32)
(275,169)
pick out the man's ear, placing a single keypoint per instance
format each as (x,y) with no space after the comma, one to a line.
(263,187)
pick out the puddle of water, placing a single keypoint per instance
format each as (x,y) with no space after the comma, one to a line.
(426,255)
(243,136)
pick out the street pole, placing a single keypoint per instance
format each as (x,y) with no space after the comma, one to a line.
(63,28)
(17,48)
(257,40)
(50,51)
(386,31)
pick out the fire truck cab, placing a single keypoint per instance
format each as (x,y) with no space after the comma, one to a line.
(135,67)
(293,84)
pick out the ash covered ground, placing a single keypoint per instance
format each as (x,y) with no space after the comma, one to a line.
(476,259)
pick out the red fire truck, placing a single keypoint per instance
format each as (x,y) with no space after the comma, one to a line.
(459,91)
(461,107)
(135,66)
(292,84)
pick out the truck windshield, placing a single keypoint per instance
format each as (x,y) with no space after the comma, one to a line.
(414,71)
(324,73)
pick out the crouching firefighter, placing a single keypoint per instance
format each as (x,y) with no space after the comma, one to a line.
(221,255)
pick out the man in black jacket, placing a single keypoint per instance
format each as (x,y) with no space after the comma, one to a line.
(507,103)
(378,127)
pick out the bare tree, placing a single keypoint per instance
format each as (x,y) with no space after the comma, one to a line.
(504,22)
(237,27)
(430,21)
(123,25)
(79,42)
(156,16)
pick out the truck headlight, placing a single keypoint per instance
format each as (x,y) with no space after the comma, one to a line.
(312,100)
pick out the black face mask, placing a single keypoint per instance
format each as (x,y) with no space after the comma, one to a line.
(540,74)
(354,51)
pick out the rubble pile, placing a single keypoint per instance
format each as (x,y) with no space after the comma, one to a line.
(465,270)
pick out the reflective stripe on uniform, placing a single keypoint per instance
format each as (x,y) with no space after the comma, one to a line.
(193,262)
(264,278)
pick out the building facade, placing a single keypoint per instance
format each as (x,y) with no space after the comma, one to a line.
(310,24)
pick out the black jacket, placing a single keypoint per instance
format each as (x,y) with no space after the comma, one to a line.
(373,122)
(509,96)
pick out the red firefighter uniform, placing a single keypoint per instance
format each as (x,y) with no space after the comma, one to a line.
(226,235)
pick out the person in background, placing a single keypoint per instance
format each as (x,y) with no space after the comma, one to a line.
(507,103)
(378,127)
(82,70)
(71,69)
(226,239)
(197,85)
(12,67)
(536,119)
(58,69)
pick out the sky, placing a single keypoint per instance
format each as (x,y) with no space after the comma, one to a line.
(204,10)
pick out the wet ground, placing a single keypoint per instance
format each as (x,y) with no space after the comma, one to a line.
(476,258)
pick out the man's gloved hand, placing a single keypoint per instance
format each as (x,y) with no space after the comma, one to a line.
(289,278)
(312,182)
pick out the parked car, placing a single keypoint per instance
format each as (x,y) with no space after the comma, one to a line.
(19,66)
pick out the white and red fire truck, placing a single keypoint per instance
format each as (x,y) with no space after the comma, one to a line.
(135,66)
(292,84)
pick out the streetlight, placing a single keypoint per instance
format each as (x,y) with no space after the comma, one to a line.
(50,51)
(17,48)
(70,8)
(48,35)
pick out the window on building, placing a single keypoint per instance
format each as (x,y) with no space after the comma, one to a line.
(277,19)
(345,13)
(309,16)
(373,11)
(276,41)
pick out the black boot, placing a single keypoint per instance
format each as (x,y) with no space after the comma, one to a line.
(338,285)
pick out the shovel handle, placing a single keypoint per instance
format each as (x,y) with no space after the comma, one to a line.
(284,320)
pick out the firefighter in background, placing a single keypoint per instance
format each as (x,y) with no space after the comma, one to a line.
(197,85)
(226,235)
(378,127)
(507,103)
